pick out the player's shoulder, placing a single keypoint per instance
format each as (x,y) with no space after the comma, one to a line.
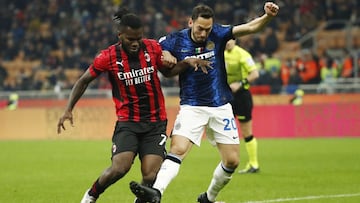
(148,41)
(217,27)
(109,49)
(221,31)
(151,44)
(105,54)
(175,35)
(102,54)
(179,33)
(102,59)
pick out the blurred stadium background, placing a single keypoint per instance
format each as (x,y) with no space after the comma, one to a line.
(312,45)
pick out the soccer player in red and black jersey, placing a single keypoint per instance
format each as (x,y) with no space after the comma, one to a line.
(131,65)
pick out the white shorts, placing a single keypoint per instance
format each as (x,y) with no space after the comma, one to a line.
(219,123)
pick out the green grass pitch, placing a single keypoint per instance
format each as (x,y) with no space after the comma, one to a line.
(292,170)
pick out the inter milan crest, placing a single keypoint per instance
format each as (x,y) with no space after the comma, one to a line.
(177,126)
(210,45)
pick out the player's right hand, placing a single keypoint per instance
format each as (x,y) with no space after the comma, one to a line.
(66,116)
(196,63)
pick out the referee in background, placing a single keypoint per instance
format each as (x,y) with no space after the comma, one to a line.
(241,71)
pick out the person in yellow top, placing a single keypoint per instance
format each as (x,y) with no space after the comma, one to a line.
(297,98)
(13,101)
(241,71)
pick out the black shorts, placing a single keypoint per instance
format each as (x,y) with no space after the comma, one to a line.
(242,105)
(140,137)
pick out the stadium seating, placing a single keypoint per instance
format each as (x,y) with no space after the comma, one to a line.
(52,40)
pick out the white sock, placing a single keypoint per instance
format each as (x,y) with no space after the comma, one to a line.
(219,180)
(168,171)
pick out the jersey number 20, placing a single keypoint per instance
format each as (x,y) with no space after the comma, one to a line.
(230,124)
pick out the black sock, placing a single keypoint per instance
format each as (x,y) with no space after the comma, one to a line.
(173,158)
(96,189)
(248,139)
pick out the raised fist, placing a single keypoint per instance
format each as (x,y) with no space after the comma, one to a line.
(271,8)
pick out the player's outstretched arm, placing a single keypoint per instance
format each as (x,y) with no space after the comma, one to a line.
(75,94)
(271,10)
(196,63)
(176,68)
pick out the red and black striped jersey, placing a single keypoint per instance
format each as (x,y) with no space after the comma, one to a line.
(135,83)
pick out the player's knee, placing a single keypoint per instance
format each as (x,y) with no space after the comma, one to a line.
(149,172)
(179,150)
(231,162)
(180,146)
(149,177)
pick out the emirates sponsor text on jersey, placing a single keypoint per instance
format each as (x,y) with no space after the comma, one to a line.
(138,76)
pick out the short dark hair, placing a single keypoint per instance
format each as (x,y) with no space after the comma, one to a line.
(203,11)
(124,18)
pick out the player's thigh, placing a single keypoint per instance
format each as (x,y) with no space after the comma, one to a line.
(124,138)
(190,123)
(122,162)
(222,126)
(150,166)
(229,154)
(124,147)
(152,140)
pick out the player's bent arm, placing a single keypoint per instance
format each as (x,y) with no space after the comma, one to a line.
(78,89)
(257,24)
(170,72)
(75,94)
(251,27)
(184,64)
(174,70)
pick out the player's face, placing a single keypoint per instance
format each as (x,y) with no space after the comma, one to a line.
(201,28)
(130,40)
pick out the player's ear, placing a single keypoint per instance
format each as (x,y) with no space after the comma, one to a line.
(190,23)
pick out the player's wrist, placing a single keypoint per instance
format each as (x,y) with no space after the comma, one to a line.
(244,81)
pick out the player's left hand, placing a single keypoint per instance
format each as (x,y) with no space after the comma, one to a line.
(235,86)
(271,8)
(168,59)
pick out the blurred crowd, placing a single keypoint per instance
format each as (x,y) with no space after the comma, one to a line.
(47,44)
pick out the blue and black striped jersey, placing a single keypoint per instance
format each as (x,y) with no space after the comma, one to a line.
(198,88)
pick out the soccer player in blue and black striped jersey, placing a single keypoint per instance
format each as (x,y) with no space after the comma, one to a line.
(204,99)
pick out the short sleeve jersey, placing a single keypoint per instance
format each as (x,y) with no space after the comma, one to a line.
(135,84)
(198,88)
(239,63)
